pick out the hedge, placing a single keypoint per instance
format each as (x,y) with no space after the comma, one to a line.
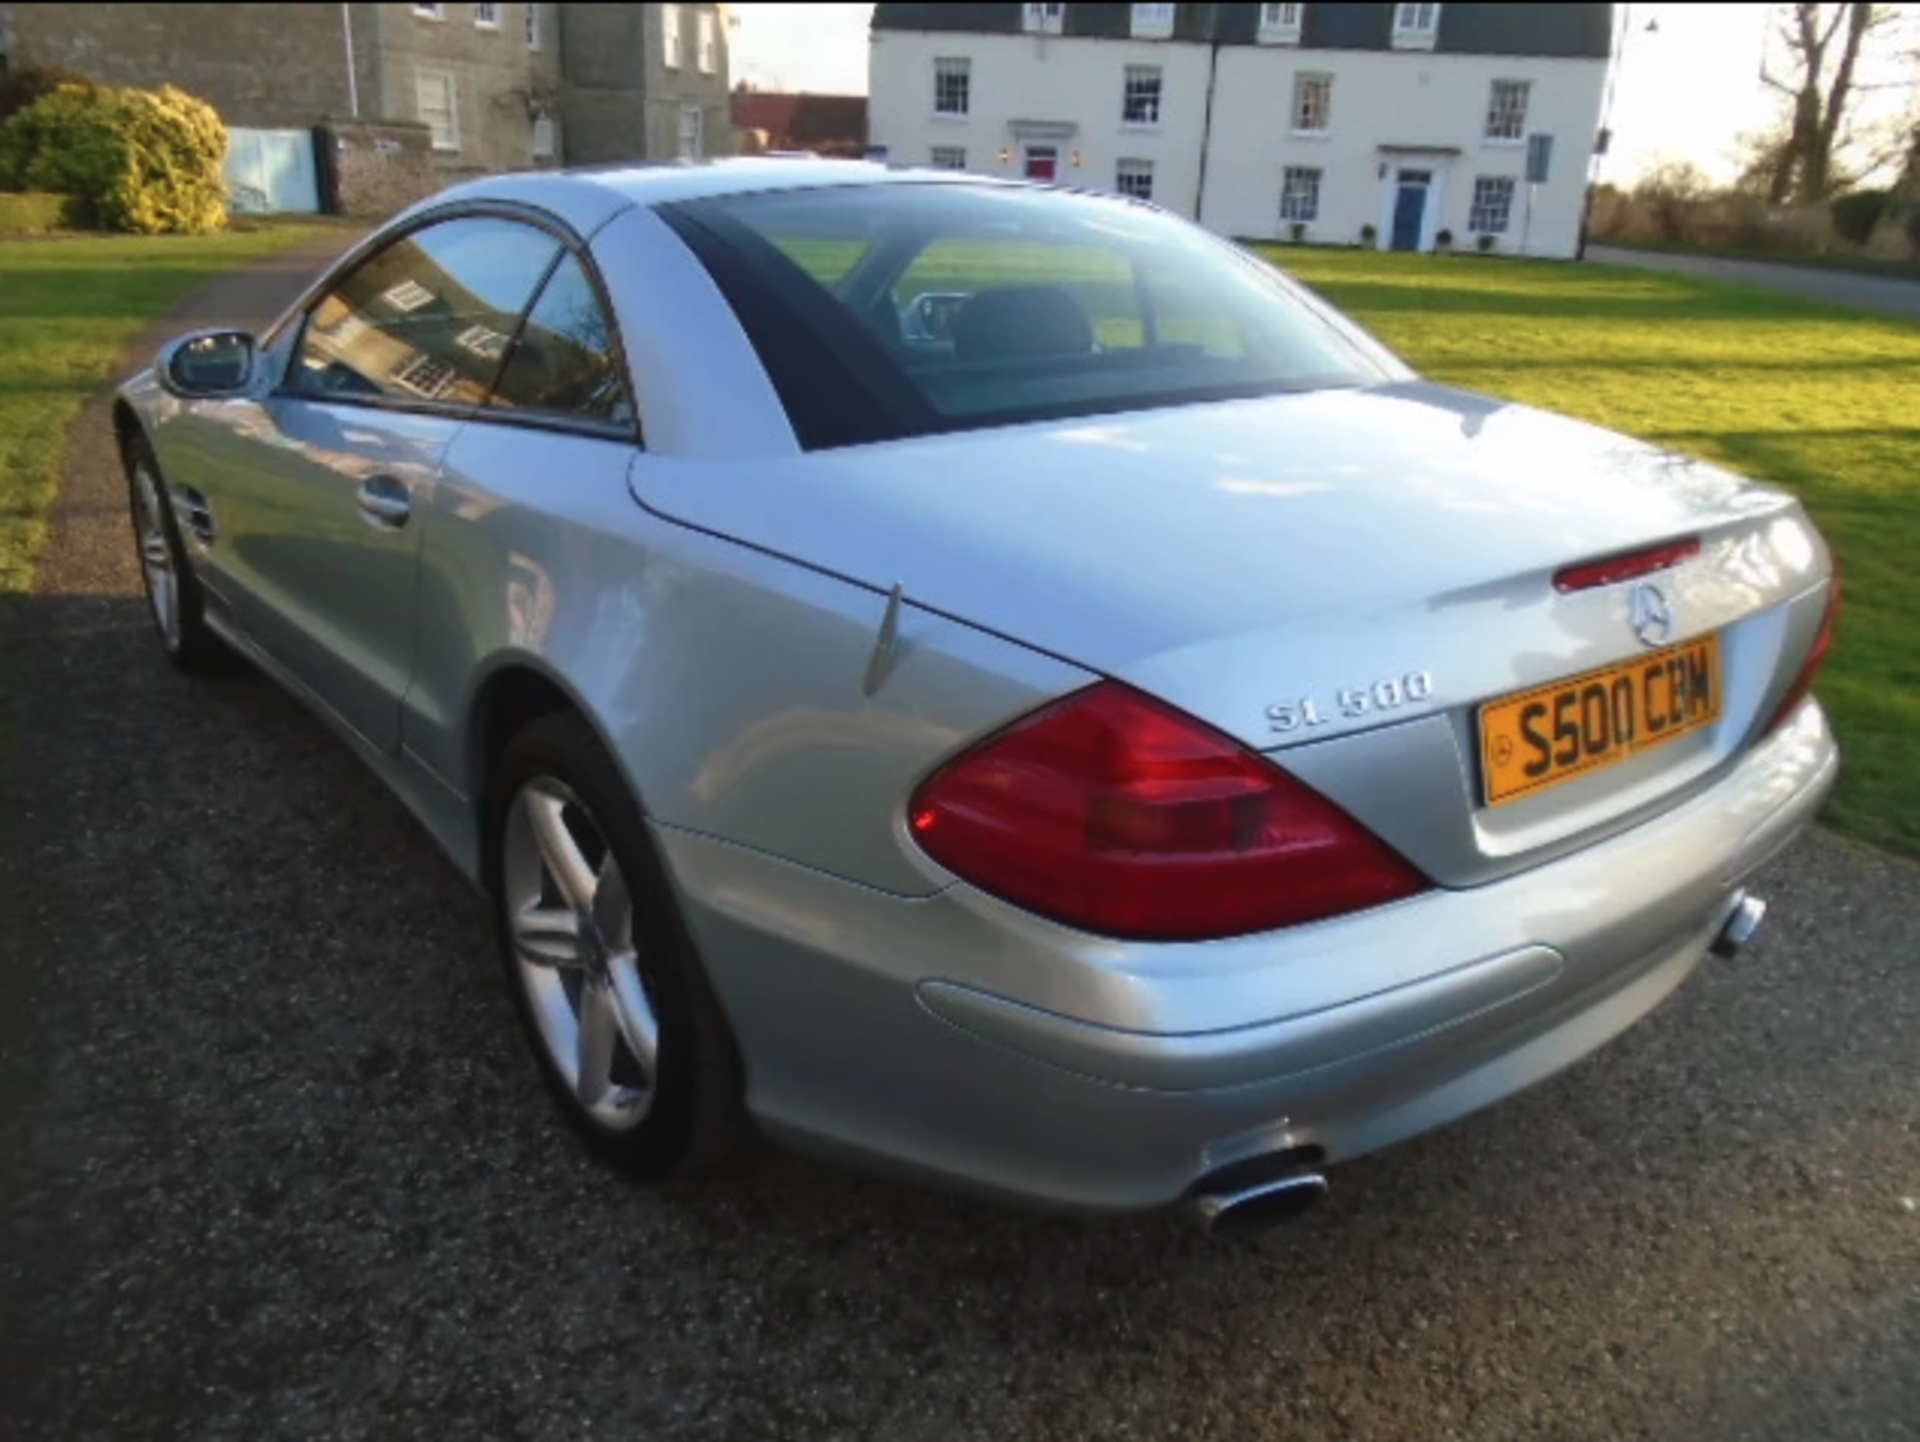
(147,161)
(36,211)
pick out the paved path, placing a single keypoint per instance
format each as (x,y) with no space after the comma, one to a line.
(1886,294)
(275,1164)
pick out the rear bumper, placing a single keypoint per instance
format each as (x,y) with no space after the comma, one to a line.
(957,1039)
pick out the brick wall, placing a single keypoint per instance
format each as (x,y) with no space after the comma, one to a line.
(380,167)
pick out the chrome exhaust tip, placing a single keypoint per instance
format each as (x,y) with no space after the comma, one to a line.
(1259,1206)
(1741,923)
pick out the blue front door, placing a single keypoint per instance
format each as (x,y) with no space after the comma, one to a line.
(1409,209)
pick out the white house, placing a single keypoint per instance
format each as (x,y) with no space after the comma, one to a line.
(1385,124)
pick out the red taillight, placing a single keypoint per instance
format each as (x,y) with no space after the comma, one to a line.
(1624,567)
(1816,653)
(1114,813)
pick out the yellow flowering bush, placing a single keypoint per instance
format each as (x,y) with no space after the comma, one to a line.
(146,161)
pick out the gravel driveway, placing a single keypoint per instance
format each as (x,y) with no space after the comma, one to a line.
(275,1162)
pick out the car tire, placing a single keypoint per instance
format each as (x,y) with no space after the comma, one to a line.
(633,967)
(175,603)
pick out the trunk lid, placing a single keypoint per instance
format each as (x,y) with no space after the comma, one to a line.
(1243,558)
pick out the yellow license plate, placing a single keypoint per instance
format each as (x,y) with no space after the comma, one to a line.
(1535,739)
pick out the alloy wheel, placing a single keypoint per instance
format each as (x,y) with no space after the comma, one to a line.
(570,920)
(156,556)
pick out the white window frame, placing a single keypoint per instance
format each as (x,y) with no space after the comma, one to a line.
(1415,27)
(1043,19)
(430,12)
(1136,168)
(406,296)
(533,27)
(1152,22)
(948,157)
(1480,209)
(1507,124)
(450,88)
(1300,193)
(486,17)
(698,130)
(483,341)
(672,42)
(1153,104)
(956,67)
(1303,81)
(707,41)
(1280,24)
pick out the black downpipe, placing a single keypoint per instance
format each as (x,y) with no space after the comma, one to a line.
(1206,128)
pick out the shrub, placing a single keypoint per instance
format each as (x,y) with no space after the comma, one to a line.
(1443,240)
(1297,231)
(147,161)
(33,211)
(20,88)
(1672,194)
(1856,215)
(1486,242)
(1913,228)
(1368,235)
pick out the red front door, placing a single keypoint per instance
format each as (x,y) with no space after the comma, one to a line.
(1042,161)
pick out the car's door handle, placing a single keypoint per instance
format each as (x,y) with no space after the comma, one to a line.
(385,501)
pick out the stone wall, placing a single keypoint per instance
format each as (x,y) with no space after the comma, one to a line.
(379,167)
(285,66)
(504,78)
(264,66)
(622,101)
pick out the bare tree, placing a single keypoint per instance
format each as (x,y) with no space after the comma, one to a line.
(1821,85)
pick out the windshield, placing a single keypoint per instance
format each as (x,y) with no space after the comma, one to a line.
(974,305)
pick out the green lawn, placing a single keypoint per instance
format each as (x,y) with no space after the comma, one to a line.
(1821,401)
(67,306)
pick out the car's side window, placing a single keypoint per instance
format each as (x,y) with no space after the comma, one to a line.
(565,363)
(429,317)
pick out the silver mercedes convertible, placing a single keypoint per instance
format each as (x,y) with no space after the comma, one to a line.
(989,681)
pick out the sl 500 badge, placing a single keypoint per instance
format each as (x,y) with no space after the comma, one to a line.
(1352,702)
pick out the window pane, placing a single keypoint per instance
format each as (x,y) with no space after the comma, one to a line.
(1492,204)
(1300,193)
(951,82)
(436,102)
(1140,102)
(993,305)
(563,363)
(428,317)
(1312,102)
(1507,110)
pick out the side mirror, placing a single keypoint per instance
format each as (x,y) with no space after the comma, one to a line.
(208,363)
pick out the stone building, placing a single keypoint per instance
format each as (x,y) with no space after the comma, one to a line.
(657,71)
(497,87)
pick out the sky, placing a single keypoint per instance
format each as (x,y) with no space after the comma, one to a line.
(1685,91)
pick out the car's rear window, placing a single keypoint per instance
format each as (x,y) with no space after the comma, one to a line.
(883,310)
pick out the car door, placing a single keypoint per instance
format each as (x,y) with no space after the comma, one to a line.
(318,549)
(524,552)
